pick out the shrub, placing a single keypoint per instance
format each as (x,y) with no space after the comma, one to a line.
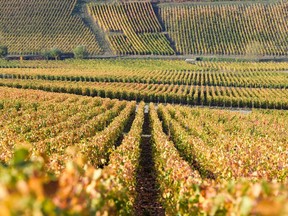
(80,52)
(3,51)
(55,53)
(46,54)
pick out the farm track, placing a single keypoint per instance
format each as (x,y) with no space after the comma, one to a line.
(147,200)
(169,4)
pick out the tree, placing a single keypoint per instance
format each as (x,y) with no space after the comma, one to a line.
(55,53)
(3,51)
(46,54)
(80,52)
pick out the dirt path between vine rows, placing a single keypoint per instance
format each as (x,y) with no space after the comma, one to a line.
(147,200)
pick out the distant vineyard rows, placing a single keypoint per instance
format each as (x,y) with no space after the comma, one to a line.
(143,28)
(242,29)
(165,93)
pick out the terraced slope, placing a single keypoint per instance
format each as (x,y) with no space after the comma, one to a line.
(131,28)
(30,26)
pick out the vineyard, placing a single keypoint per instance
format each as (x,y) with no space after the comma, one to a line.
(136,26)
(28,27)
(241,29)
(236,85)
(159,107)
(32,124)
(156,28)
(207,152)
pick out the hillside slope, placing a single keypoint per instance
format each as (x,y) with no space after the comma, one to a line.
(31,26)
(160,27)
(131,28)
(233,29)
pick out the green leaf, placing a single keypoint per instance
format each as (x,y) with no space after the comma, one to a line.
(20,156)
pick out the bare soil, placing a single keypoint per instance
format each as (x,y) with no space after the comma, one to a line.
(147,200)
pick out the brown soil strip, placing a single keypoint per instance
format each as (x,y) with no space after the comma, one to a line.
(147,200)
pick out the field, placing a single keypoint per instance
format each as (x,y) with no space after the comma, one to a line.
(28,31)
(210,138)
(159,107)
(235,29)
(221,84)
(154,28)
